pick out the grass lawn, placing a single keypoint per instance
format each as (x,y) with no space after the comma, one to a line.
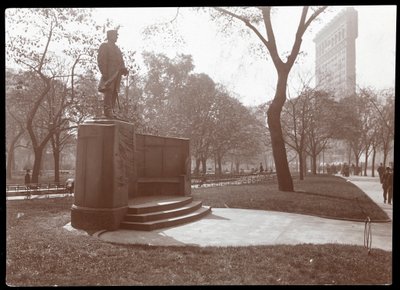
(326,196)
(40,252)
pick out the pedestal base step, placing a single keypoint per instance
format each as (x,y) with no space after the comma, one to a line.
(166,212)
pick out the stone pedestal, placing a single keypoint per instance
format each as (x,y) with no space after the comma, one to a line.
(104,175)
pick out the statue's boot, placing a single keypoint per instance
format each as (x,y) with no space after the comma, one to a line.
(108,113)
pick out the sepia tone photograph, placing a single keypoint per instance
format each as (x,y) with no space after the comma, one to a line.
(190,146)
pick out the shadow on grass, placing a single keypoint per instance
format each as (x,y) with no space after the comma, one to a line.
(326,195)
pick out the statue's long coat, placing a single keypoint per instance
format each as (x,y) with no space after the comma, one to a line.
(110,62)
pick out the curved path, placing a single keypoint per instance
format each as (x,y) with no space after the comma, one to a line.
(242,227)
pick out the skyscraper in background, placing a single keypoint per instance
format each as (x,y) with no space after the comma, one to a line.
(335,61)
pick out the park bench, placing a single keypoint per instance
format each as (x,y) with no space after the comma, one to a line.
(156,185)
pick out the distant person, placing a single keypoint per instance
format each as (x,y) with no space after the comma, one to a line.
(27,179)
(345,170)
(387,185)
(381,170)
(261,168)
(328,169)
(353,170)
(69,185)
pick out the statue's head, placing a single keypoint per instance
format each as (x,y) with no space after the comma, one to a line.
(112,35)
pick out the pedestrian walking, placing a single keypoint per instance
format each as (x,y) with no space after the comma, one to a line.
(387,185)
(380,170)
(261,168)
(27,179)
(353,169)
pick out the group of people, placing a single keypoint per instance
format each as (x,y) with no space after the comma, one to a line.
(347,170)
(386,179)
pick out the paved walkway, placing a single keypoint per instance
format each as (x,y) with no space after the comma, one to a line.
(242,227)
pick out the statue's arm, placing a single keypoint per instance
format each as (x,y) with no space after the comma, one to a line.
(123,69)
(102,60)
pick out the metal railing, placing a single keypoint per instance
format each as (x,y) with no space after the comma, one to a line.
(211,180)
(35,189)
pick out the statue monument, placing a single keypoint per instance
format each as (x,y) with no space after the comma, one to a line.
(114,164)
(112,66)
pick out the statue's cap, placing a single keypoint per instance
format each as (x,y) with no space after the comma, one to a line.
(111,32)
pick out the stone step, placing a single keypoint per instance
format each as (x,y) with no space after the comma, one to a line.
(161,204)
(164,214)
(169,222)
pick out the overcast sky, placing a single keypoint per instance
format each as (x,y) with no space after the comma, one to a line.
(228,61)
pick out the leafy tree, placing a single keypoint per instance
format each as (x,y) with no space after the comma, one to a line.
(258,20)
(351,109)
(370,121)
(263,132)
(321,126)
(196,116)
(15,125)
(131,101)
(163,85)
(30,45)
(383,104)
(310,123)
(235,128)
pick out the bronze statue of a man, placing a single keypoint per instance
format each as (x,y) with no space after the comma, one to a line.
(111,65)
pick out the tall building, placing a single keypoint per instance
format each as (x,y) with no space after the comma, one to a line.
(335,61)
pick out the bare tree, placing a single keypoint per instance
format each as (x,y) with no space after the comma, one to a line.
(383,106)
(285,182)
(295,119)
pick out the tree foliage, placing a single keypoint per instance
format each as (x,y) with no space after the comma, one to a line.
(178,102)
(51,44)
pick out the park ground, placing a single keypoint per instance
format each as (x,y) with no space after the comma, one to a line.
(41,252)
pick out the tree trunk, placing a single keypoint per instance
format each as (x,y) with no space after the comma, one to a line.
(10,160)
(219,162)
(305,165)
(373,161)
(55,141)
(366,162)
(349,151)
(37,164)
(285,181)
(56,157)
(314,164)
(197,168)
(204,165)
(11,155)
(301,166)
(357,162)
(385,154)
